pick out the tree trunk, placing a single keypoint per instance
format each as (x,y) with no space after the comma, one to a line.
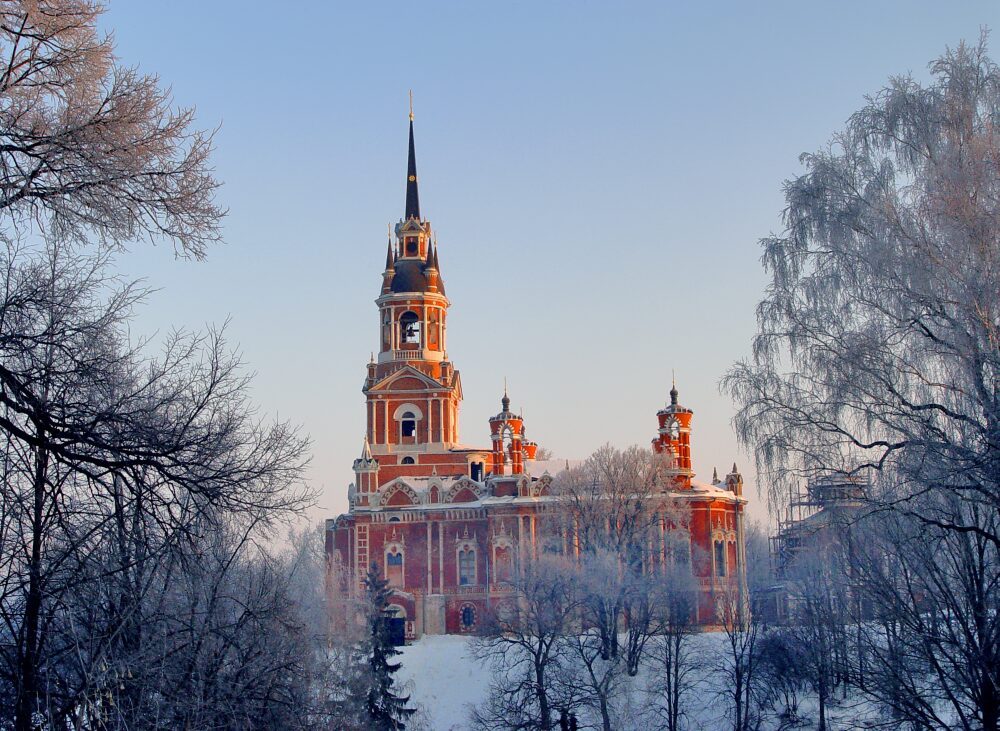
(544,712)
(990,706)
(28,690)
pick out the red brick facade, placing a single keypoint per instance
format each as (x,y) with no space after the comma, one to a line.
(448,524)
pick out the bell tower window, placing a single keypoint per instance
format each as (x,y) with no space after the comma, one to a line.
(408,425)
(409,329)
(411,247)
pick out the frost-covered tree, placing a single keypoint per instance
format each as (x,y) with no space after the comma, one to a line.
(525,643)
(611,505)
(117,465)
(672,660)
(89,148)
(878,354)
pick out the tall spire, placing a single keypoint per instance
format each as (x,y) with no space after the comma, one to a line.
(412,198)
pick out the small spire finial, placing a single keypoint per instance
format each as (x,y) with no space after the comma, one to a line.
(673,388)
(411,105)
(715,475)
(505,401)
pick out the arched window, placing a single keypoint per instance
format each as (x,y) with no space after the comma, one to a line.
(466,567)
(467,617)
(407,460)
(394,568)
(476,471)
(679,547)
(409,329)
(503,562)
(408,425)
(720,558)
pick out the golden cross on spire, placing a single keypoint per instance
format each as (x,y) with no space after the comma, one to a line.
(411,105)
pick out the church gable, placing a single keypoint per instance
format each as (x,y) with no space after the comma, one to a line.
(406,378)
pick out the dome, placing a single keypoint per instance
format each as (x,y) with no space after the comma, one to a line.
(409,276)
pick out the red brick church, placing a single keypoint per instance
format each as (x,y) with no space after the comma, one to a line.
(448,523)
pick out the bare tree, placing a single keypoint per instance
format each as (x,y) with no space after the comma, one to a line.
(818,621)
(525,643)
(92,148)
(611,506)
(738,665)
(111,458)
(672,658)
(878,354)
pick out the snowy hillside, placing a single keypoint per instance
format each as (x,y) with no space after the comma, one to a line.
(445,682)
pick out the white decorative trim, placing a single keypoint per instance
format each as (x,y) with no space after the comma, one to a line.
(418,414)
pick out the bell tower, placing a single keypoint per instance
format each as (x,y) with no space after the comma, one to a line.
(674,437)
(412,390)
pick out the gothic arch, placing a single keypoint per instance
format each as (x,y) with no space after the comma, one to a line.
(459,487)
(395,492)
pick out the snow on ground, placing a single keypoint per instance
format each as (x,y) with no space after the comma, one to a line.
(444,680)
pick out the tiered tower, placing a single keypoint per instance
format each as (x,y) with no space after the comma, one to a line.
(674,438)
(510,449)
(412,391)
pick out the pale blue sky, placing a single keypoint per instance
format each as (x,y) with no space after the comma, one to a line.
(598,175)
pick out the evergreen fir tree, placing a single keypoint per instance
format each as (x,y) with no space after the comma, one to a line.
(386,710)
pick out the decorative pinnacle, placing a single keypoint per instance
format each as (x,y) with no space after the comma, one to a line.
(673,389)
(505,401)
(411,105)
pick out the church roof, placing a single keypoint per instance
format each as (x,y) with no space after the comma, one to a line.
(409,276)
(412,196)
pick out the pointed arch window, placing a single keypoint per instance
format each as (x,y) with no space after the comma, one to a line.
(394,567)
(720,559)
(503,563)
(467,567)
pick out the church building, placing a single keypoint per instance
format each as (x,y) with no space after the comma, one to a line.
(448,524)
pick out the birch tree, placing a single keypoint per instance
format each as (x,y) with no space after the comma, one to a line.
(878,355)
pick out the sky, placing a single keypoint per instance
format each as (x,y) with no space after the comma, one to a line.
(598,175)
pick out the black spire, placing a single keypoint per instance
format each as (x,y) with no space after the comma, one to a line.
(389,263)
(412,199)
